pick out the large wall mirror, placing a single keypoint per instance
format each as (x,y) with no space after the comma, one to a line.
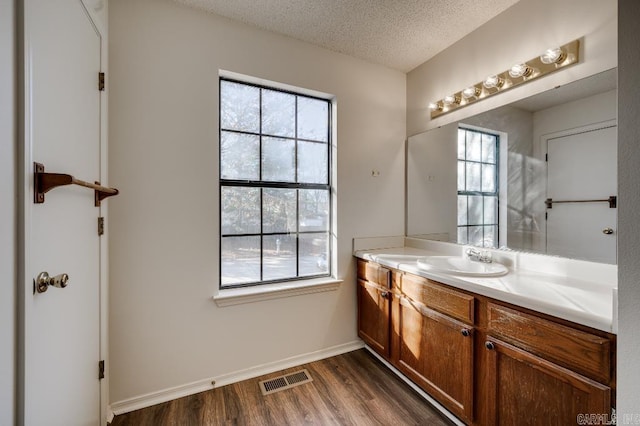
(537,175)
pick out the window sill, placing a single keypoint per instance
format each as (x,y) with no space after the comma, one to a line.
(238,296)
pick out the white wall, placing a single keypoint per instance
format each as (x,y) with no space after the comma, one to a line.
(432,184)
(571,115)
(518,34)
(165,329)
(7,212)
(628,211)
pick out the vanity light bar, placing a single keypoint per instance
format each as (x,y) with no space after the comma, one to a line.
(550,61)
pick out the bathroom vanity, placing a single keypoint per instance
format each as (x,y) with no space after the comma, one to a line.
(524,348)
(536,345)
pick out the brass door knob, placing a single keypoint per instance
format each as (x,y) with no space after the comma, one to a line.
(44,281)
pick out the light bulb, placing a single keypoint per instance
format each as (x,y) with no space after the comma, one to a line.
(553,56)
(450,100)
(471,92)
(520,70)
(493,81)
(433,106)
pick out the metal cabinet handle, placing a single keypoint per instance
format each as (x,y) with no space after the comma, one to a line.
(607,231)
(44,281)
(384,294)
(489,345)
(465,332)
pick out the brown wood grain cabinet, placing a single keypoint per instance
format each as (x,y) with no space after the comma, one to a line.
(577,350)
(486,361)
(374,306)
(524,389)
(436,352)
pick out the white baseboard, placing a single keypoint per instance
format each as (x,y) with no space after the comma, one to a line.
(110,414)
(153,398)
(415,387)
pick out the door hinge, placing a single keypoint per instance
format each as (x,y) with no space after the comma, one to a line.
(546,215)
(546,157)
(100,225)
(101,370)
(101,81)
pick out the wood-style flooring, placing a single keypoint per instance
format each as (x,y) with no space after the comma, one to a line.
(348,389)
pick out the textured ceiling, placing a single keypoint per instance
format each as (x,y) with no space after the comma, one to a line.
(400,34)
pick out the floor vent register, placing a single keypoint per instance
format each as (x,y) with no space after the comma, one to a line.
(285,382)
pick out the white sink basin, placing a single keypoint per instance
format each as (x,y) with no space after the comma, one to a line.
(400,258)
(394,260)
(457,265)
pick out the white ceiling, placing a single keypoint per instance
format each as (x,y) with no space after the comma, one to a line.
(400,34)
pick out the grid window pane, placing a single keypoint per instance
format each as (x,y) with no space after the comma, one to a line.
(240,260)
(489,237)
(314,254)
(278,210)
(239,107)
(490,210)
(475,236)
(474,146)
(462,235)
(489,148)
(275,193)
(477,188)
(462,210)
(314,210)
(312,162)
(461,176)
(488,178)
(462,144)
(474,180)
(279,256)
(313,119)
(239,156)
(240,210)
(278,113)
(475,210)
(278,160)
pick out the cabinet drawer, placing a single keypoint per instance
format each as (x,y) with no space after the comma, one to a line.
(578,350)
(374,273)
(438,297)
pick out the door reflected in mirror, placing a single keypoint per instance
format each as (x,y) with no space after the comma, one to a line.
(485,180)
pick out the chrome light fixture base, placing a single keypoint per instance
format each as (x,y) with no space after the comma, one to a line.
(548,62)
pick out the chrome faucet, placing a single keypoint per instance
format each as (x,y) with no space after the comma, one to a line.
(483,256)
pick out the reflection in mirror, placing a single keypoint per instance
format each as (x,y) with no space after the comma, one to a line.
(484,180)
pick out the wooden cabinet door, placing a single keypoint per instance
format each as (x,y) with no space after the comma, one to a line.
(524,389)
(374,308)
(436,352)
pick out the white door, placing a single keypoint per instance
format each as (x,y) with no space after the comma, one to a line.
(582,167)
(61,327)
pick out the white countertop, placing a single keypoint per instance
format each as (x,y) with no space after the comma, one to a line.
(574,299)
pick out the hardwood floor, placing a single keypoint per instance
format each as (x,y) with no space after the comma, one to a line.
(348,389)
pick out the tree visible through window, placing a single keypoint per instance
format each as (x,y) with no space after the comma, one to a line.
(477,188)
(274,185)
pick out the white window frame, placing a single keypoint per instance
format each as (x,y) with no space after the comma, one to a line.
(265,290)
